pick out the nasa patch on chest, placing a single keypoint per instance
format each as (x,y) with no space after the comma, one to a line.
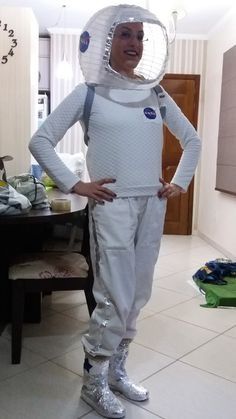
(150,113)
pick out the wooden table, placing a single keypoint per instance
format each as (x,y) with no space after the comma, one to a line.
(26,232)
(44,216)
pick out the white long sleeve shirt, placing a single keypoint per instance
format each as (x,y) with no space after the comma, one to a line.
(125,140)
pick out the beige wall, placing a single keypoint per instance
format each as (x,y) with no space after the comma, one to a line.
(19,87)
(188,56)
(217,210)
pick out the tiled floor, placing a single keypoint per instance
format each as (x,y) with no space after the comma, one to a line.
(183,353)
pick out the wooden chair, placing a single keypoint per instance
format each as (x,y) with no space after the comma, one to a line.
(44,272)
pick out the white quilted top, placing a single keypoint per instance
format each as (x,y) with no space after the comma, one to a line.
(126,135)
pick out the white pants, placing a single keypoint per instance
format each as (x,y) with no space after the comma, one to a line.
(125,240)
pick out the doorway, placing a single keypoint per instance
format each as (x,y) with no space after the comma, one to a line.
(184,89)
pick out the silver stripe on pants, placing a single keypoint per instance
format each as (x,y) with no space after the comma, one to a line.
(125,239)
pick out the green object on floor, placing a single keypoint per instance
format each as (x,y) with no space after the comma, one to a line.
(219,295)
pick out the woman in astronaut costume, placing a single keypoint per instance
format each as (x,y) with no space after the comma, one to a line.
(123,52)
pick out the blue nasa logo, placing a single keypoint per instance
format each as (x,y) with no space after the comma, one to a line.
(84,41)
(150,113)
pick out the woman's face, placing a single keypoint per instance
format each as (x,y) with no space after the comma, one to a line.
(127,48)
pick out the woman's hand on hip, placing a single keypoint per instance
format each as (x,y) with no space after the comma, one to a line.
(169,190)
(95,190)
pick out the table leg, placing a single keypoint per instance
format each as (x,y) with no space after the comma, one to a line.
(5,297)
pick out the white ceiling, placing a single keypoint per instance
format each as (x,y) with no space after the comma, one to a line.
(200,18)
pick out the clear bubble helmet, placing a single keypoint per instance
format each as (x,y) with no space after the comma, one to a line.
(96,42)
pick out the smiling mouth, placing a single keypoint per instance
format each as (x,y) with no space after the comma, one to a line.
(131,53)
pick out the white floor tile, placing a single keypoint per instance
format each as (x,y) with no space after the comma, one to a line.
(183,392)
(79,312)
(215,357)
(29,359)
(44,392)
(54,336)
(63,300)
(162,299)
(143,362)
(180,282)
(145,312)
(231,332)
(185,260)
(216,319)
(72,360)
(173,244)
(46,312)
(162,269)
(171,337)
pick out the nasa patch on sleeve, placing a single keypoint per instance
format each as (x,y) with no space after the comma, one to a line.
(150,113)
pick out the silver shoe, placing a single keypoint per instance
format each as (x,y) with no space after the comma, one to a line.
(118,378)
(96,392)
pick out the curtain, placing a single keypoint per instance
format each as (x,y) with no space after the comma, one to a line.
(66,42)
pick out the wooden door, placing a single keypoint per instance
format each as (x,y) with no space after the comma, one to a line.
(184,89)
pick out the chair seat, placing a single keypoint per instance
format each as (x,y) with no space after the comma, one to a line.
(45,265)
(46,272)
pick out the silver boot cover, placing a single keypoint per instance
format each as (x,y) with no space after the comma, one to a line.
(96,392)
(118,378)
